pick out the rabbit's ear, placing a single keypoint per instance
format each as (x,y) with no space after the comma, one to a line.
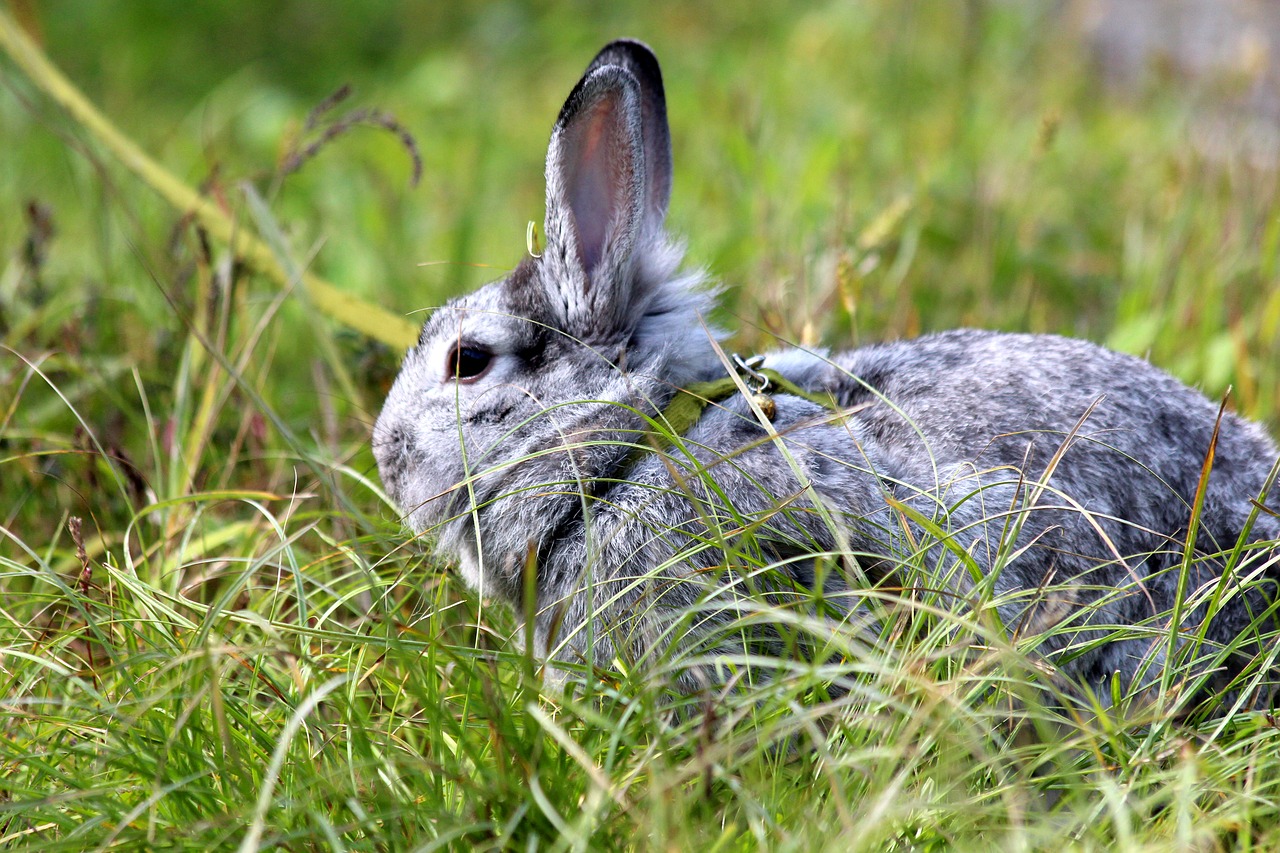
(638,59)
(608,181)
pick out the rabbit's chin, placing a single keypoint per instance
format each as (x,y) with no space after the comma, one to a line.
(455,540)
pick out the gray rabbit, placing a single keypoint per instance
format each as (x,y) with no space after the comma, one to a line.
(532,435)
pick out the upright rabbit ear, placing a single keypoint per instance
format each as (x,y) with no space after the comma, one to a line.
(608,182)
(638,59)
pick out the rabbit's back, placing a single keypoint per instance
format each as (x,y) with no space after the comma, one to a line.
(1098,455)
(1136,438)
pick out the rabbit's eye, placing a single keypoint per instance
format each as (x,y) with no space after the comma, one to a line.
(467,363)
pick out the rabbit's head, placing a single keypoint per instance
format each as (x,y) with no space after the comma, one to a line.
(510,407)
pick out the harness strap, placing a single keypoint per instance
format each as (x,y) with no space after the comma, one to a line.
(688,405)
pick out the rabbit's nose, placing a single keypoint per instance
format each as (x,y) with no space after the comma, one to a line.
(387,436)
(390,449)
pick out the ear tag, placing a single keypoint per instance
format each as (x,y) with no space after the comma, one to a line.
(531,241)
(757,383)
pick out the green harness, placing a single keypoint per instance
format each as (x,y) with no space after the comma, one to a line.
(687,407)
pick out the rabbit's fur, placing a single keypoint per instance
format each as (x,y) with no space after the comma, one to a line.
(1066,472)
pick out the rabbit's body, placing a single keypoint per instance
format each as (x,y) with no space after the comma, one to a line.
(1066,473)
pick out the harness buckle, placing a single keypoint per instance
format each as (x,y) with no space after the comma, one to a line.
(757,383)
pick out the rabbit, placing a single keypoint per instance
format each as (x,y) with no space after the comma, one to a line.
(519,435)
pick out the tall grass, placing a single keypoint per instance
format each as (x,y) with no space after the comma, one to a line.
(213,632)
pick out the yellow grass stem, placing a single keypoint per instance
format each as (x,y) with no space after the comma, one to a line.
(371,320)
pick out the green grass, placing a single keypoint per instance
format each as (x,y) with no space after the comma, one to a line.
(239,647)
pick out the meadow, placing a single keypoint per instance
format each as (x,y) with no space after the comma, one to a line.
(214,631)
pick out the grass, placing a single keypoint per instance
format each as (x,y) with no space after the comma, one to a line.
(213,633)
